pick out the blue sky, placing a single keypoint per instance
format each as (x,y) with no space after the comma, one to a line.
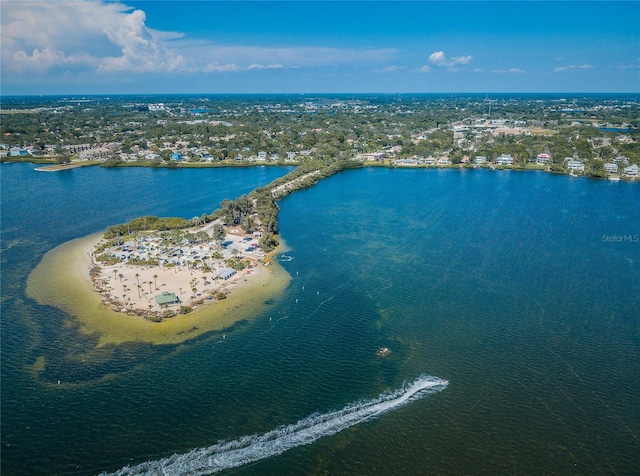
(108,47)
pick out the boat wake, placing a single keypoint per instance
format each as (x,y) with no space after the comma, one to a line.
(248,449)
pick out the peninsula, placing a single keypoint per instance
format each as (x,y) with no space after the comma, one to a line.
(158,274)
(157,268)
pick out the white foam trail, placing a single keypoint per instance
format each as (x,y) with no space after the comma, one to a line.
(248,449)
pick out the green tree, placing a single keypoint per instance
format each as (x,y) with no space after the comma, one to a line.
(63,156)
(218,233)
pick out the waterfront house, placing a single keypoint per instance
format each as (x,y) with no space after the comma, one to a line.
(504,159)
(406,162)
(375,156)
(176,156)
(575,166)
(632,171)
(18,152)
(611,168)
(543,159)
(480,159)
(430,160)
(622,159)
(443,161)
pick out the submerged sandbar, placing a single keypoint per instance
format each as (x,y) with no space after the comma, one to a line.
(62,280)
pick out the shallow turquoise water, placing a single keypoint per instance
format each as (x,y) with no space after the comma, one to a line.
(508,284)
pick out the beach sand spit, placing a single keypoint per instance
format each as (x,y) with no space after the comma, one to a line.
(62,279)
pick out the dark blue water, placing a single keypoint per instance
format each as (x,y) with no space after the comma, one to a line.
(522,289)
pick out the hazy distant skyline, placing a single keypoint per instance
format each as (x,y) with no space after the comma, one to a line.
(106,47)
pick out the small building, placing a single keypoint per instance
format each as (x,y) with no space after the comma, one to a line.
(480,159)
(224,273)
(504,159)
(632,171)
(375,156)
(622,159)
(167,299)
(176,156)
(575,166)
(18,152)
(405,162)
(430,160)
(611,168)
(262,156)
(443,161)
(543,159)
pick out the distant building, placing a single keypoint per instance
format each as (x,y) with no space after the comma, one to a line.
(374,156)
(176,156)
(632,171)
(430,160)
(17,152)
(443,161)
(575,166)
(405,162)
(480,159)
(504,159)
(611,168)
(543,159)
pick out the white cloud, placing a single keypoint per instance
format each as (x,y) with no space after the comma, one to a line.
(509,71)
(582,67)
(390,69)
(438,58)
(262,66)
(94,36)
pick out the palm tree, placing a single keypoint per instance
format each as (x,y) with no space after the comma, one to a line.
(115,271)
(150,287)
(155,284)
(137,276)
(121,276)
(139,288)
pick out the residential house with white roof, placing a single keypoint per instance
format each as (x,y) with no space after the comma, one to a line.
(632,171)
(543,159)
(575,166)
(504,159)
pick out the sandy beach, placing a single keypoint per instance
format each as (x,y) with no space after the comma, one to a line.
(62,280)
(190,274)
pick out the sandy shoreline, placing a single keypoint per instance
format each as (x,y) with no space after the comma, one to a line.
(133,289)
(62,280)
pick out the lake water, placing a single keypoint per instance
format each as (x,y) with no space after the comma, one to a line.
(521,289)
